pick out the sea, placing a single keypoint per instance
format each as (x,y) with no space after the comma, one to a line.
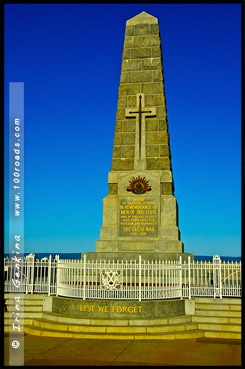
(77,256)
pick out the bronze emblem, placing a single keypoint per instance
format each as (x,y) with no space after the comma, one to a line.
(138,185)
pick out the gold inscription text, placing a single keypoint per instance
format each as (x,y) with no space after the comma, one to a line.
(114,309)
(138,217)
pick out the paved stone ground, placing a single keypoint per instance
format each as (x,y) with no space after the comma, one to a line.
(46,351)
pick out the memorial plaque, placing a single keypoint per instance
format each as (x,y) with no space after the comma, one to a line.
(138,217)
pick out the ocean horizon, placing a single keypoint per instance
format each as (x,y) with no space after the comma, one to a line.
(77,256)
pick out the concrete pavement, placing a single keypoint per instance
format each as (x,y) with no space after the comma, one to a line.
(47,351)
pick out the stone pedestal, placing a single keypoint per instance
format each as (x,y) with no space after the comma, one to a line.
(117,310)
(146,222)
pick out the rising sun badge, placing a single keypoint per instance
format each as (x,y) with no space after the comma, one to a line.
(138,185)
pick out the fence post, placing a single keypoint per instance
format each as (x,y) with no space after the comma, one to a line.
(49,274)
(139,277)
(180,276)
(30,259)
(27,272)
(189,265)
(56,275)
(217,267)
(84,277)
(239,291)
(214,278)
(220,280)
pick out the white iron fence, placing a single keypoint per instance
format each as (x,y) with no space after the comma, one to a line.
(27,275)
(123,280)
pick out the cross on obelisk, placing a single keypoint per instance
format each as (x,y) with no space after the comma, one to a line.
(140,113)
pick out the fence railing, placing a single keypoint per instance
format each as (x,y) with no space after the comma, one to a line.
(125,279)
(27,275)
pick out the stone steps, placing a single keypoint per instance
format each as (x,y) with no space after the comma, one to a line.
(218,318)
(24,314)
(224,301)
(214,318)
(8,321)
(223,307)
(220,327)
(223,335)
(25,303)
(219,313)
(30,307)
(33,308)
(24,296)
(56,325)
(9,328)
(108,328)
(59,318)
(115,334)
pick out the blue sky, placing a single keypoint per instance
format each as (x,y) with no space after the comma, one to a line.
(69,58)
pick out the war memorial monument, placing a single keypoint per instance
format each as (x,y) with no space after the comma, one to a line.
(138,254)
(139,283)
(140,213)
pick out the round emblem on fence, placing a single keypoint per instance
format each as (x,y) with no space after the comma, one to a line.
(111,279)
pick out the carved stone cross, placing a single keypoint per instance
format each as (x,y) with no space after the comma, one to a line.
(139,113)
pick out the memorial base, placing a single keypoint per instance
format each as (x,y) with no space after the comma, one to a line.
(114,309)
(145,256)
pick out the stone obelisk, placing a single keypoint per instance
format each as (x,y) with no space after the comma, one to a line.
(140,212)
